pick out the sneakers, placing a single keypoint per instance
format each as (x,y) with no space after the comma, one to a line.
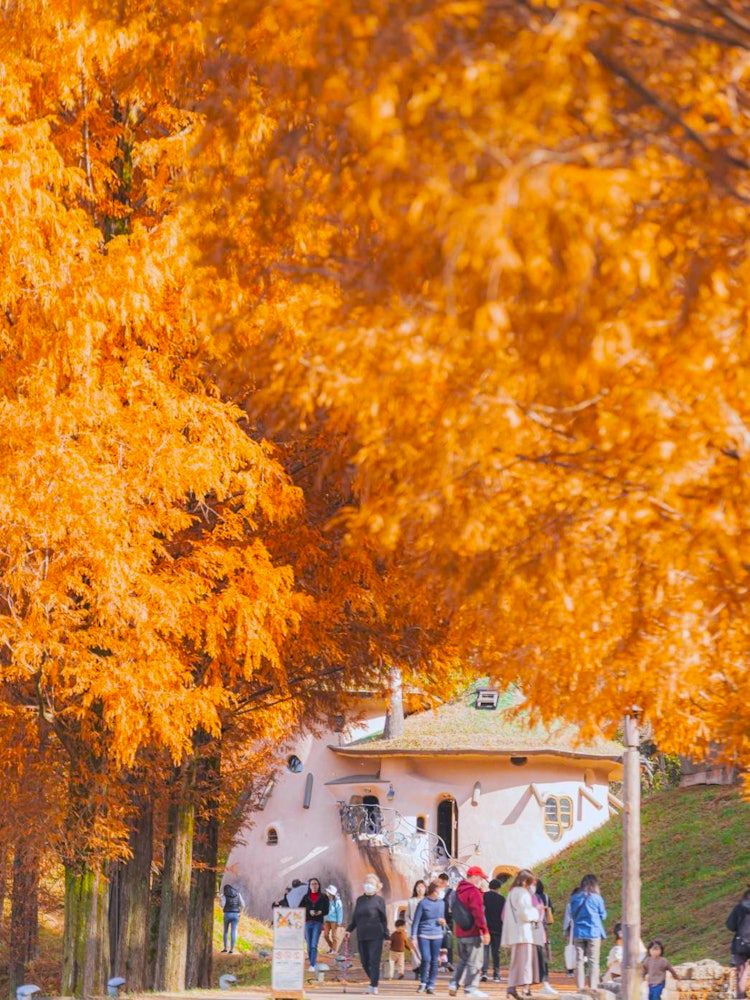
(548,990)
(430,990)
(496,978)
(312,969)
(483,978)
(452,989)
(476,993)
(223,951)
(421,988)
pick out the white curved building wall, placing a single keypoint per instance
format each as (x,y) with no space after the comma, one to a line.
(502,825)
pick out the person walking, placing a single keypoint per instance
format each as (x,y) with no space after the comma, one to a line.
(470,928)
(417,895)
(655,969)
(316,905)
(541,935)
(448,893)
(519,918)
(397,952)
(334,921)
(588,914)
(568,932)
(232,906)
(494,903)
(738,922)
(370,922)
(428,928)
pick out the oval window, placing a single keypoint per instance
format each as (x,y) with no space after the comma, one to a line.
(272,836)
(294,764)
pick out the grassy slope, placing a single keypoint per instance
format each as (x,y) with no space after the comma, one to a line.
(696,862)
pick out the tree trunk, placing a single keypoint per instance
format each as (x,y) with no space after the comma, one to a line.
(24,914)
(394,720)
(202,900)
(171,956)
(631,862)
(129,906)
(86,935)
(3,882)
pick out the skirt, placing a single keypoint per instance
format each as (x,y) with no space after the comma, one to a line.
(524,965)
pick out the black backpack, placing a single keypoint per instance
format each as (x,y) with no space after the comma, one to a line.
(231,900)
(461,914)
(742,941)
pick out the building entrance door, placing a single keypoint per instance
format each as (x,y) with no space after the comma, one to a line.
(447,825)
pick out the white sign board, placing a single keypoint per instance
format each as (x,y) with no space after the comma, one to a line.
(288,973)
(288,970)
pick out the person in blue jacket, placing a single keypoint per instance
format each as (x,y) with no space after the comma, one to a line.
(588,913)
(333,926)
(427,930)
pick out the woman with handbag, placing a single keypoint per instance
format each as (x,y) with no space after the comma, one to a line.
(519,918)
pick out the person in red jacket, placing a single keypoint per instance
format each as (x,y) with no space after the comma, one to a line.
(470,940)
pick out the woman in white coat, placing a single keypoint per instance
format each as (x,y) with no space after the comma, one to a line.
(519,919)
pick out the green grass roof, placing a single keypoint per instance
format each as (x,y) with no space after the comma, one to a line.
(459,728)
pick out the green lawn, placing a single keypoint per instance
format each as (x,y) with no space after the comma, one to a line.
(696,863)
(251,963)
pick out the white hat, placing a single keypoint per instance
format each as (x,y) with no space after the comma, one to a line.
(332,890)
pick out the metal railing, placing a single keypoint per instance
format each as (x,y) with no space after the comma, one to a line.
(383,826)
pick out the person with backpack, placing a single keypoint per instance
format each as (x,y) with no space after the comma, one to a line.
(588,913)
(232,906)
(519,919)
(471,930)
(738,922)
(317,905)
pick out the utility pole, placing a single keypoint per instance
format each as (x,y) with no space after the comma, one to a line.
(631,859)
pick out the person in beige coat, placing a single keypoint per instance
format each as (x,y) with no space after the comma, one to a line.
(519,919)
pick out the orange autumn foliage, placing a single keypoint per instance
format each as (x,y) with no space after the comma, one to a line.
(496,254)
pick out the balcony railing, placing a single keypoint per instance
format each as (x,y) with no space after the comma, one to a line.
(382,826)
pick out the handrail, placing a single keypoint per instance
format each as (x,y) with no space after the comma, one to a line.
(386,827)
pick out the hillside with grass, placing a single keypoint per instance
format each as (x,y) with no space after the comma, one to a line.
(696,863)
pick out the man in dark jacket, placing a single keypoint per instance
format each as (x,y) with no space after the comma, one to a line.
(738,922)
(494,904)
(470,940)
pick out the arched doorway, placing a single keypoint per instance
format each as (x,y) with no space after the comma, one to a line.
(504,873)
(447,825)
(373,821)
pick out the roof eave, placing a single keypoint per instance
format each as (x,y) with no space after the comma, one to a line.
(370,751)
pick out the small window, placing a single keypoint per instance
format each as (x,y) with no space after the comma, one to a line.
(339,723)
(558,815)
(421,824)
(518,761)
(272,836)
(487,698)
(294,764)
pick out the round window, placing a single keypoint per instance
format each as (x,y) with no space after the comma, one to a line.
(294,764)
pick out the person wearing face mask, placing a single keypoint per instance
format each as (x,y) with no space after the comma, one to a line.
(417,895)
(370,922)
(472,933)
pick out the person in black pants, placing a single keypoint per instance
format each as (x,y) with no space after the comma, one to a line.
(445,885)
(494,904)
(370,922)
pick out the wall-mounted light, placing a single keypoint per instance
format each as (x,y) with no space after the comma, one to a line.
(391,793)
(476,793)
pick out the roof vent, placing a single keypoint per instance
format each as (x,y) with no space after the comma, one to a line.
(487,698)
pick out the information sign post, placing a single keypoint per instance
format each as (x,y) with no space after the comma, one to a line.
(288,969)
